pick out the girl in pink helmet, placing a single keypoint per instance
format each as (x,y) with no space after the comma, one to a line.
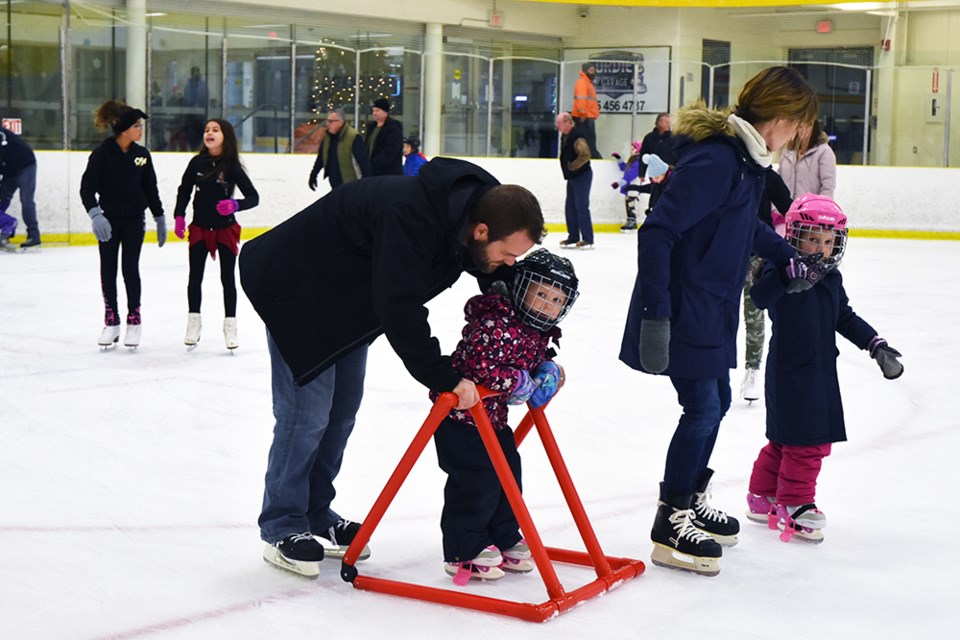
(802,393)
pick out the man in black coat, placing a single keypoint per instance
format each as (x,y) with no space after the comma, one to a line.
(362,261)
(384,141)
(659,141)
(18,166)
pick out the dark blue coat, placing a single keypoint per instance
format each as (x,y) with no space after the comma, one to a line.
(694,248)
(802,390)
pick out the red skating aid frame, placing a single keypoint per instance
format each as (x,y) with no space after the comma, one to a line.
(611,572)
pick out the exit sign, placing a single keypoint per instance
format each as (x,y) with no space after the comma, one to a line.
(496,19)
(13,124)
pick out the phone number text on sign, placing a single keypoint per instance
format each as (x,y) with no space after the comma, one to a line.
(613,106)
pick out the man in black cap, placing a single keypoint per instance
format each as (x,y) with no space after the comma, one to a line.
(384,141)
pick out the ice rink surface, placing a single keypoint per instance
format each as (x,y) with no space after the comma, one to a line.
(131,481)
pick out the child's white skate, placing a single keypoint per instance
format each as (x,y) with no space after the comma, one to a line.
(109,336)
(801,521)
(485,566)
(517,559)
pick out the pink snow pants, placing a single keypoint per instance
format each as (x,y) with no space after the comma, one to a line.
(788,473)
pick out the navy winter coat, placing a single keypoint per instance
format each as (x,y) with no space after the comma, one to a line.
(694,249)
(364,260)
(802,391)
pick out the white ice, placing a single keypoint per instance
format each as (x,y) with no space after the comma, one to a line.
(131,481)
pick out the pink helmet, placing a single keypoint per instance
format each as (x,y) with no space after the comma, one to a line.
(810,213)
(636,146)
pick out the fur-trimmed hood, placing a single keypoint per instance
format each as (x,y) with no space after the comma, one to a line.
(697,122)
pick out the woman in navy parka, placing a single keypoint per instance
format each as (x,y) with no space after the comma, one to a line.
(683,317)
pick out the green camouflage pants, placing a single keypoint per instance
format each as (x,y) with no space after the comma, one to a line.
(752,321)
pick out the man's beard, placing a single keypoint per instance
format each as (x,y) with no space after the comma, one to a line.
(477,251)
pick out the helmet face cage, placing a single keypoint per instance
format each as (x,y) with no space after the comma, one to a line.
(808,218)
(544,289)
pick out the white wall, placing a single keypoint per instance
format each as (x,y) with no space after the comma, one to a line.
(893,198)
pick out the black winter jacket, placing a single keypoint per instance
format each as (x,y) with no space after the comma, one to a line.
(15,156)
(386,157)
(126,182)
(207,190)
(364,260)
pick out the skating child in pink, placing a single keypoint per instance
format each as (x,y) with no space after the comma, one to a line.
(808,306)
(504,348)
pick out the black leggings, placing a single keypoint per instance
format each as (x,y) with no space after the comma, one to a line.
(228,262)
(126,233)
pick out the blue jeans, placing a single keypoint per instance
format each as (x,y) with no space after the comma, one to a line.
(311,432)
(705,401)
(577,208)
(27,183)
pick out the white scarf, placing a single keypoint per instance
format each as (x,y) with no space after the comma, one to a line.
(756,145)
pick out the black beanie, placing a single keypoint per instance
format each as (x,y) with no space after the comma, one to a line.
(382,103)
(127,119)
(586,66)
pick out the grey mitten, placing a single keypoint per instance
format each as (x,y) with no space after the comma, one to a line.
(655,344)
(886,357)
(101,226)
(161,230)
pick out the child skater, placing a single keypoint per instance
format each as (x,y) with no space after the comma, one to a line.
(504,348)
(212,176)
(118,184)
(804,411)
(413,158)
(631,174)
(655,180)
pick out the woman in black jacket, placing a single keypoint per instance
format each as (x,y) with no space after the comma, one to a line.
(212,175)
(118,184)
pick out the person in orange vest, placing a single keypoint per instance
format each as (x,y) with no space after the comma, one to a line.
(586,108)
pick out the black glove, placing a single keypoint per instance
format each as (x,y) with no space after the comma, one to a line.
(655,344)
(313,181)
(886,357)
(803,273)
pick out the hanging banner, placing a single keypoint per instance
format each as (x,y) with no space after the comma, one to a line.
(628,80)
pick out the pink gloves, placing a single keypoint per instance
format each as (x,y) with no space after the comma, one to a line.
(227,207)
(180,226)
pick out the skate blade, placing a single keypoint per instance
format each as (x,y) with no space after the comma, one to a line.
(759,518)
(273,556)
(668,558)
(331,550)
(485,574)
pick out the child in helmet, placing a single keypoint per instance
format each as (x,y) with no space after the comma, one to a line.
(631,176)
(413,159)
(504,348)
(804,411)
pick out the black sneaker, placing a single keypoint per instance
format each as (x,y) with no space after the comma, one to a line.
(631,225)
(30,242)
(340,536)
(677,544)
(302,547)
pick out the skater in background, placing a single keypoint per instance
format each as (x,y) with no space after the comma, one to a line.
(682,321)
(575,165)
(413,157)
(118,184)
(18,166)
(361,261)
(654,181)
(631,177)
(212,177)
(504,348)
(808,164)
(775,194)
(342,155)
(804,410)
(659,141)
(384,138)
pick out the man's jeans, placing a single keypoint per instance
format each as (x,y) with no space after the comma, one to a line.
(705,401)
(27,183)
(577,208)
(313,424)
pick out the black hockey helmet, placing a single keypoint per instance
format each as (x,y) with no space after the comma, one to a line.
(544,289)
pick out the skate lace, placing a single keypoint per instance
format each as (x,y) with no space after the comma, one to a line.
(682,522)
(706,511)
(300,537)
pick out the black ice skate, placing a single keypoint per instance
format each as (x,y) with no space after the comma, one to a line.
(677,544)
(298,553)
(337,538)
(713,522)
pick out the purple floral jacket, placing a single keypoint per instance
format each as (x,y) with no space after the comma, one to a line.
(495,347)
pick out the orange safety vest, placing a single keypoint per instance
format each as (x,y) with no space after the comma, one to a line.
(585,103)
